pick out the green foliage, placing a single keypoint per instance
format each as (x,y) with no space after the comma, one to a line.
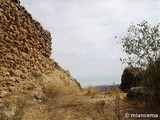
(152,74)
(141,44)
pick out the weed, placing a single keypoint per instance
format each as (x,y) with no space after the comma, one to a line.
(91,91)
(51,90)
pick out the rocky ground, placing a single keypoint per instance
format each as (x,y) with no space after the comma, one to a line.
(61,104)
(57,103)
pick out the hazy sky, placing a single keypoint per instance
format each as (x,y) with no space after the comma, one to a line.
(84,31)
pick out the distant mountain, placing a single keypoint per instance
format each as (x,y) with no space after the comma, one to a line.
(98,80)
(106,87)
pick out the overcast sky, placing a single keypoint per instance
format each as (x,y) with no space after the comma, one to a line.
(84,31)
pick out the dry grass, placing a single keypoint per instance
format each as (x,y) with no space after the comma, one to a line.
(91,91)
(64,104)
(85,108)
(51,90)
(18,114)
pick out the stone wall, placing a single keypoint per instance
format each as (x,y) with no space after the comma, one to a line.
(24,44)
(25,49)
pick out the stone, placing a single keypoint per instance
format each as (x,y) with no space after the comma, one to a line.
(1,89)
(10,83)
(11,88)
(23,76)
(11,71)
(1,78)
(3,93)
(17,73)
(139,93)
(13,79)
(18,80)
(2,106)
(16,1)
(7,74)
(4,73)
(39,95)
(68,73)
(3,68)
(1,100)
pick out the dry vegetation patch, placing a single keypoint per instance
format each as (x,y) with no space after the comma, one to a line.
(91,91)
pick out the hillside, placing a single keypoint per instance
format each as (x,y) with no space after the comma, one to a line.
(25,49)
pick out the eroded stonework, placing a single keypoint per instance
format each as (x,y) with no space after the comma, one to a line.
(24,44)
(25,50)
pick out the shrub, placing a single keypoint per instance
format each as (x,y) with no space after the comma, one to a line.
(152,78)
(91,91)
(132,76)
(51,90)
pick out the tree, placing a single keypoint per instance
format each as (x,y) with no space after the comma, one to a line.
(142,45)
